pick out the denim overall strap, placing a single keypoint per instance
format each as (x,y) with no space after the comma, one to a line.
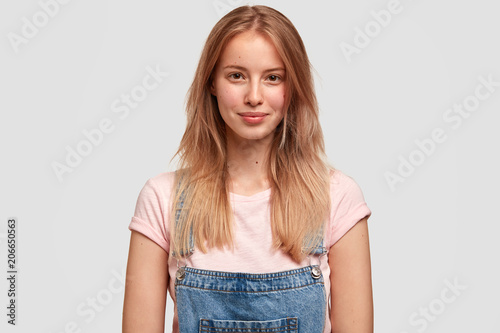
(213,301)
(184,252)
(315,245)
(317,249)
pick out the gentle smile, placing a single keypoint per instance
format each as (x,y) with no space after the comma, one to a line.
(253,117)
(253,114)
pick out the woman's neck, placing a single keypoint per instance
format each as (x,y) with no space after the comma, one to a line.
(248,166)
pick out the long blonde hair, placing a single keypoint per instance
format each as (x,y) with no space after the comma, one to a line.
(299,173)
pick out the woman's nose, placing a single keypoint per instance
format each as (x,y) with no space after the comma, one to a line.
(254,94)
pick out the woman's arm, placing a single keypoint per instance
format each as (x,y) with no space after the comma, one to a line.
(351,286)
(145,286)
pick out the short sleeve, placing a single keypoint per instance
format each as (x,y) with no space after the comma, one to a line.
(348,206)
(152,213)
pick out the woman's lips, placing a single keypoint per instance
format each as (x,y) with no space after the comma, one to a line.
(253,117)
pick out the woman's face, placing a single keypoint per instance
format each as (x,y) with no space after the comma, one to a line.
(249,84)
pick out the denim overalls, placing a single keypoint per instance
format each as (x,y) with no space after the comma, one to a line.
(215,301)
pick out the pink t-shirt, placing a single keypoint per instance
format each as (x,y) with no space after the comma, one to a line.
(253,251)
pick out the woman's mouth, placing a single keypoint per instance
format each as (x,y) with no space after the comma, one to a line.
(253,117)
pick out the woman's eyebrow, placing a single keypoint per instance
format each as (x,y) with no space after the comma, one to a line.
(241,68)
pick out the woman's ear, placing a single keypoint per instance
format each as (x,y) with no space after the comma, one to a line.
(212,88)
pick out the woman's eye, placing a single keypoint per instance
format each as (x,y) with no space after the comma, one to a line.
(273,78)
(235,76)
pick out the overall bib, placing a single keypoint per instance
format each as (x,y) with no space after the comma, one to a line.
(215,301)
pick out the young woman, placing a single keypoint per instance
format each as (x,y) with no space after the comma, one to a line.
(255,232)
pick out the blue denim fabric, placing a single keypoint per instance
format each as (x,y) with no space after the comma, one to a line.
(213,301)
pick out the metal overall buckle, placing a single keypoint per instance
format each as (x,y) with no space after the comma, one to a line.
(316,270)
(181,270)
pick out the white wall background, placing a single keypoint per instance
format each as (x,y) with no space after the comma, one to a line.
(435,226)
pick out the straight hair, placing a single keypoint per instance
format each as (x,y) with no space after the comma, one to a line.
(298,170)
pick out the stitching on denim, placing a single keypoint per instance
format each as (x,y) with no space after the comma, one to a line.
(248,276)
(286,328)
(250,291)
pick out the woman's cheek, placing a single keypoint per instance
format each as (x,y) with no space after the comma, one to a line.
(277,99)
(231,97)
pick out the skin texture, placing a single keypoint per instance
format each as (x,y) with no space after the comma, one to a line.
(250,77)
(145,286)
(350,277)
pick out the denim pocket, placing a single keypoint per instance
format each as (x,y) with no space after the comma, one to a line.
(238,326)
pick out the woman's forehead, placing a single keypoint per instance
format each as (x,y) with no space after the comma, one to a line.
(250,50)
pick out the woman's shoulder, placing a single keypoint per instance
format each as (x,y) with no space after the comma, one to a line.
(340,181)
(160,185)
(163,178)
(348,205)
(151,215)
(346,196)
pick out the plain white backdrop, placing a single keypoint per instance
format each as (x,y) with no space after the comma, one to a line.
(406,109)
